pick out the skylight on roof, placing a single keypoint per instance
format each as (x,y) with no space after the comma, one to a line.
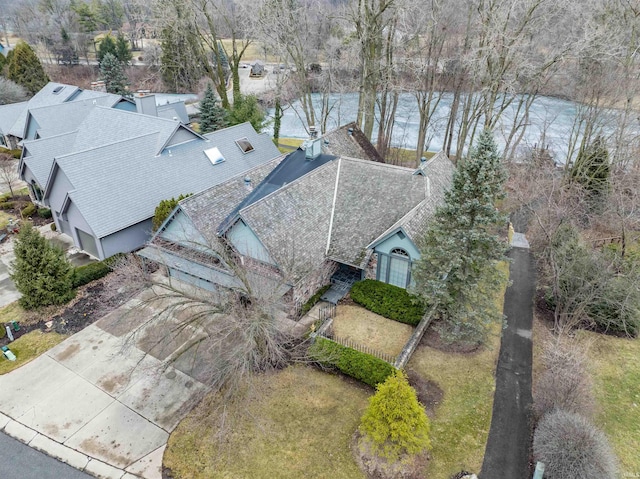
(214,155)
(57,90)
(245,145)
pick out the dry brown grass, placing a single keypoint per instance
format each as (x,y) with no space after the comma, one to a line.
(298,423)
(370,329)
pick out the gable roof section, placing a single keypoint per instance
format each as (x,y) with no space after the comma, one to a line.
(439,173)
(41,154)
(9,114)
(121,183)
(51,94)
(209,208)
(293,222)
(341,142)
(370,198)
(57,119)
(294,166)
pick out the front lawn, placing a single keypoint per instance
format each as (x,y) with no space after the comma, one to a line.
(299,424)
(28,347)
(370,329)
(460,428)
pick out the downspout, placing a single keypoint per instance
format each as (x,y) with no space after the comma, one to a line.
(333,206)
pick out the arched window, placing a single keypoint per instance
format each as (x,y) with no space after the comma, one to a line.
(395,267)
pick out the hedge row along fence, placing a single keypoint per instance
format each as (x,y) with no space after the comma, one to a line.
(362,366)
(387,300)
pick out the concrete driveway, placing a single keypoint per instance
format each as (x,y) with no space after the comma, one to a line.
(98,401)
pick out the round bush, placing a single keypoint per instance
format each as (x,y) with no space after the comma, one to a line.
(570,446)
(53,227)
(29,210)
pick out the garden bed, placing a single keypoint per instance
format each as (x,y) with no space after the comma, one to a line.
(18,203)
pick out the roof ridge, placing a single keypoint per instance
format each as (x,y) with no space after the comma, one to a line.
(104,145)
(116,110)
(378,164)
(28,142)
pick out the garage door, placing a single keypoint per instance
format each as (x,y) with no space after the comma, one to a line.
(87,243)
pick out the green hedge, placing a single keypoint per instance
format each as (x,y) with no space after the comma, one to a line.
(7,205)
(313,300)
(364,367)
(44,213)
(387,300)
(85,274)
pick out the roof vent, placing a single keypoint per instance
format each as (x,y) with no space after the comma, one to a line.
(350,130)
(313,133)
(247,183)
(57,90)
(423,159)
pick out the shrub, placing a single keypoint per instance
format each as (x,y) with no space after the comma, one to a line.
(45,213)
(364,367)
(395,423)
(17,153)
(85,274)
(570,446)
(387,300)
(617,311)
(313,300)
(40,271)
(565,383)
(7,205)
(29,210)
(164,209)
(53,227)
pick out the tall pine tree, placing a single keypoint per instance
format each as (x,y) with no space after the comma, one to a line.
(459,252)
(26,70)
(107,45)
(112,74)
(123,52)
(40,271)
(212,116)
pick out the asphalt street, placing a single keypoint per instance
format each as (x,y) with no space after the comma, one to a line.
(509,443)
(18,461)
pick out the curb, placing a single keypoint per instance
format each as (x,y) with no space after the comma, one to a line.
(62,453)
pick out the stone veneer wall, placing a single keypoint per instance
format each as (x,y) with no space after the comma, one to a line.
(308,285)
(370,271)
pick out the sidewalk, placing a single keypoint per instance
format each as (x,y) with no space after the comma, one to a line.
(509,443)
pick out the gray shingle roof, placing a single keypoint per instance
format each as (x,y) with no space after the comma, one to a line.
(121,183)
(176,110)
(46,96)
(353,145)
(43,151)
(63,118)
(9,114)
(293,222)
(439,171)
(371,199)
(209,208)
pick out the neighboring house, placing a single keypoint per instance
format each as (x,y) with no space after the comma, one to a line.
(307,217)
(104,178)
(257,69)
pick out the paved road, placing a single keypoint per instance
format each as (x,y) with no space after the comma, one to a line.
(18,461)
(509,443)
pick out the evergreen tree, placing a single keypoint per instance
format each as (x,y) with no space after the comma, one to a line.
(26,70)
(395,423)
(3,62)
(123,52)
(164,209)
(592,167)
(246,108)
(113,75)
(212,116)
(40,271)
(456,271)
(107,45)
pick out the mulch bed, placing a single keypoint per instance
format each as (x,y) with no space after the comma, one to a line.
(92,302)
(433,339)
(429,393)
(19,203)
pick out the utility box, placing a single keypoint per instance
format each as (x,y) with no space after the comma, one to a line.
(7,353)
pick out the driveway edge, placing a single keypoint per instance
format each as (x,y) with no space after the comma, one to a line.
(62,453)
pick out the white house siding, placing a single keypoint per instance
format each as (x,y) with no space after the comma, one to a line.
(126,240)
